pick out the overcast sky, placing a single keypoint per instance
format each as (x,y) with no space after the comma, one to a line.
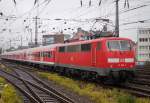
(16,17)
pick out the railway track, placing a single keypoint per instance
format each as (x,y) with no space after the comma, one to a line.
(141,82)
(139,86)
(35,90)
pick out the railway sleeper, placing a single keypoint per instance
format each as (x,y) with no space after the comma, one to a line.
(141,81)
(138,87)
(145,76)
(144,73)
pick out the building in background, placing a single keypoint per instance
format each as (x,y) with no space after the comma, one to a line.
(52,39)
(143,44)
(91,34)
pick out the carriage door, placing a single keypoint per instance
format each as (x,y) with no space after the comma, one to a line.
(93,54)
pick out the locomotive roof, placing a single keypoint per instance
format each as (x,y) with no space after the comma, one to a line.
(94,40)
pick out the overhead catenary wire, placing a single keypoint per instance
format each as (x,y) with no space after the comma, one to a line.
(139,21)
(16,18)
(19,17)
(121,11)
(125,11)
(134,8)
(88,11)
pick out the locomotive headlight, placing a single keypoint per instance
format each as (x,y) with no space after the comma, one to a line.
(113,60)
(129,60)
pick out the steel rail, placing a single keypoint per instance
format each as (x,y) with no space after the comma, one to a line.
(45,88)
(139,86)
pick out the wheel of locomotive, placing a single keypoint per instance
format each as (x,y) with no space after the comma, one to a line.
(75,74)
(68,72)
(93,76)
(130,76)
(61,70)
(122,76)
(83,75)
(114,77)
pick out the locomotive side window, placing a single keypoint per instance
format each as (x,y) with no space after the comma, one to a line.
(113,45)
(98,46)
(85,47)
(62,49)
(73,48)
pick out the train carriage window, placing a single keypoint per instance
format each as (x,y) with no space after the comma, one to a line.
(38,54)
(41,54)
(47,54)
(62,49)
(85,47)
(34,55)
(44,54)
(98,46)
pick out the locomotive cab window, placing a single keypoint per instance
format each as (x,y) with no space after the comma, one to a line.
(125,45)
(85,47)
(122,45)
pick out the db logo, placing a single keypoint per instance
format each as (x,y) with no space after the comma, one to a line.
(122,60)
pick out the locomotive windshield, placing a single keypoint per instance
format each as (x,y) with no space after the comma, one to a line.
(122,45)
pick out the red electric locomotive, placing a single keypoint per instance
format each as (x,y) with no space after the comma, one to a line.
(105,57)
